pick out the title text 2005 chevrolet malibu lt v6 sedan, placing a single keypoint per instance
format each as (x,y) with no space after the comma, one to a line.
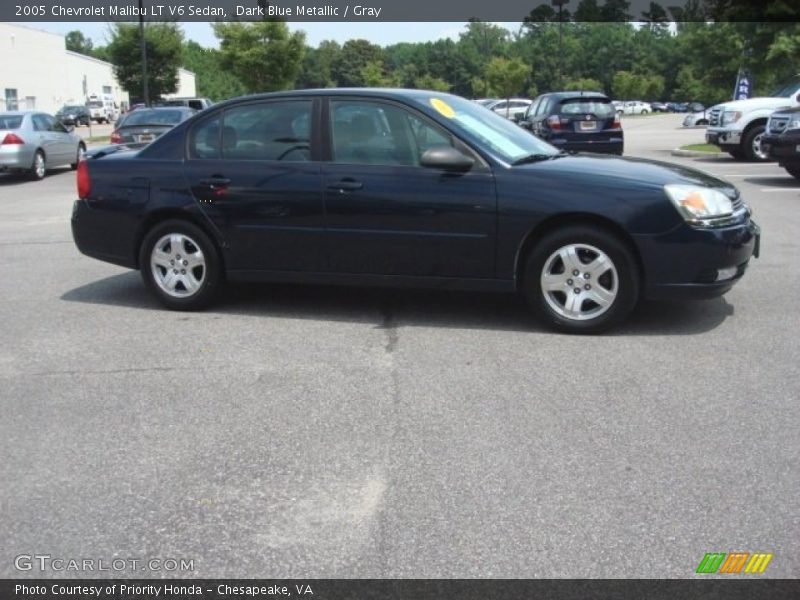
(399,187)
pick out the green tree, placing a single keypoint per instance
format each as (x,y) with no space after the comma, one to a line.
(77,42)
(317,71)
(213,81)
(373,74)
(355,55)
(506,76)
(164,51)
(429,82)
(264,55)
(584,83)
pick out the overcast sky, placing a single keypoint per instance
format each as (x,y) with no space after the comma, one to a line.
(380,33)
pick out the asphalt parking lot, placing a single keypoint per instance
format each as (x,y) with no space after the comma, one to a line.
(298,431)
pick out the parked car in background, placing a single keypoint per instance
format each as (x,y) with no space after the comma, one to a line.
(73,116)
(659,106)
(576,121)
(510,108)
(33,142)
(406,187)
(738,126)
(195,103)
(486,101)
(636,107)
(146,124)
(697,116)
(781,141)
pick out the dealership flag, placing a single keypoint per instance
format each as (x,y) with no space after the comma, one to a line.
(744,86)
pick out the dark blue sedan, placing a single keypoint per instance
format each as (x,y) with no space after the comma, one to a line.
(406,188)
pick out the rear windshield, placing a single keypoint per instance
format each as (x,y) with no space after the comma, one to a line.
(10,121)
(598,107)
(154,117)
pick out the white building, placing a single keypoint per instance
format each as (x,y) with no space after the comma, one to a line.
(38,72)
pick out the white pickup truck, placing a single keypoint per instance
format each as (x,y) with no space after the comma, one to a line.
(102,109)
(738,126)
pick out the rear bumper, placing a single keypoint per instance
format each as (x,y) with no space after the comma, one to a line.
(15,158)
(689,263)
(614,146)
(104,235)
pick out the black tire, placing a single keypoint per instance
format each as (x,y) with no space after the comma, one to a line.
(195,238)
(625,280)
(793,170)
(737,154)
(81,151)
(749,143)
(38,170)
(644,112)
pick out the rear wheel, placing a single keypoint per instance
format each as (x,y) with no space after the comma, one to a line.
(180,265)
(39,167)
(581,279)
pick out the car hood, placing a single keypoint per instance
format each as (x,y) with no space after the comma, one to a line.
(629,172)
(756,104)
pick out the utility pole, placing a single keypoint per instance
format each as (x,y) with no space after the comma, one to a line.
(560,4)
(143,46)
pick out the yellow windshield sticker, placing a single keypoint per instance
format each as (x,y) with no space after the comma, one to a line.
(443,108)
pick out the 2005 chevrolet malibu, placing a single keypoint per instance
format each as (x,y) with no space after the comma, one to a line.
(401,187)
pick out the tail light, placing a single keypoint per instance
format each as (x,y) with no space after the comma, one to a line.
(116,138)
(12,139)
(616,124)
(84,182)
(554,122)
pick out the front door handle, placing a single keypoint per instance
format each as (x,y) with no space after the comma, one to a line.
(345,185)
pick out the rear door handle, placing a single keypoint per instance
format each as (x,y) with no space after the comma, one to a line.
(345,185)
(216,181)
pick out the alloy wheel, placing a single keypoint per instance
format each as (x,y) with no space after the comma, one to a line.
(178,265)
(579,282)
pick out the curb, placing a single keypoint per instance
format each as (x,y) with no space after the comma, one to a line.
(698,154)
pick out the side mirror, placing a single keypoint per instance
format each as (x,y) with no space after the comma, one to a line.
(446,158)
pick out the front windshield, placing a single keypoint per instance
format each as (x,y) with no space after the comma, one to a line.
(787,90)
(498,135)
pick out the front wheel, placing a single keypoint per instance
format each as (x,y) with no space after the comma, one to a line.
(581,279)
(751,144)
(180,265)
(79,156)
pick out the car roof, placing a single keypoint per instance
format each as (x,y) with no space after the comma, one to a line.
(20,113)
(384,93)
(577,94)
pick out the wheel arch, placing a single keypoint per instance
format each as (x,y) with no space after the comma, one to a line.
(569,220)
(168,214)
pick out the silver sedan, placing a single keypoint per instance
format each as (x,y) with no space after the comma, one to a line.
(33,142)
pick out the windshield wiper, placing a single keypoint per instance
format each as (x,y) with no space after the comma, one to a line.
(532,158)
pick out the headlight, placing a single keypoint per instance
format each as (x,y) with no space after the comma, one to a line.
(794,122)
(696,203)
(730,116)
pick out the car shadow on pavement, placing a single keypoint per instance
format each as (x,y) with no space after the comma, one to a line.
(787,181)
(386,307)
(7,179)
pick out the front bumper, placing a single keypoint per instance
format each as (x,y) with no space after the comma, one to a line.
(783,148)
(723,137)
(693,263)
